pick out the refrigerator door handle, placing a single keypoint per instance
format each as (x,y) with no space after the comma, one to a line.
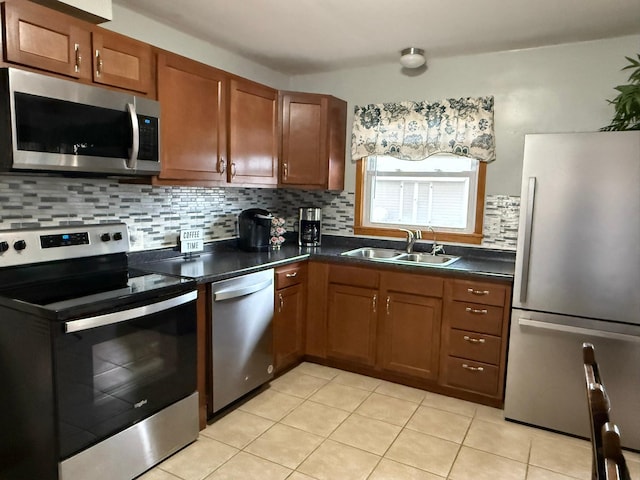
(526,250)
(556,327)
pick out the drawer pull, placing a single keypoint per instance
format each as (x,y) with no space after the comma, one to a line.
(473,340)
(478,292)
(374,303)
(291,275)
(473,369)
(280,303)
(476,311)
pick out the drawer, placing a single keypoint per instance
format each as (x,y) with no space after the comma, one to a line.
(474,346)
(474,376)
(289,275)
(475,318)
(426,285)
(354,276)
(477,292)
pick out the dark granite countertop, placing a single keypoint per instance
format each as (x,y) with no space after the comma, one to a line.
(223,259)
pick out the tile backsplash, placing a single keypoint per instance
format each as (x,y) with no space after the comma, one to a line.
(156,214)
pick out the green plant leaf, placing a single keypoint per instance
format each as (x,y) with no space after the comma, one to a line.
(627,103)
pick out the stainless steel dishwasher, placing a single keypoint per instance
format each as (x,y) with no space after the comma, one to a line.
(242,313)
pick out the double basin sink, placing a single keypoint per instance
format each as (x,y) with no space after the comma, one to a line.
(396,256)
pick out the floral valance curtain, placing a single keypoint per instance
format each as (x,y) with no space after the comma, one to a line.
(416,130)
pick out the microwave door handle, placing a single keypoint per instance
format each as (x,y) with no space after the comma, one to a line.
(132,161)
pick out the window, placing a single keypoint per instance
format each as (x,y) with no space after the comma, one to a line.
(444,191)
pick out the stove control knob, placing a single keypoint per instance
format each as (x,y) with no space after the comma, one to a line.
(105,237)
(4,246)
(117,236)
(20,245)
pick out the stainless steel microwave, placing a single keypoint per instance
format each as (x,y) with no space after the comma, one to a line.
(50,124)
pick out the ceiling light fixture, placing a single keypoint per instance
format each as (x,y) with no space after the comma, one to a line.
(412,57)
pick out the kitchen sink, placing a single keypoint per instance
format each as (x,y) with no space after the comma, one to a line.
(373,253)
(398,256)
(427,258)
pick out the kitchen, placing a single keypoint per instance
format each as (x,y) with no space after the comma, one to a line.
(570,80)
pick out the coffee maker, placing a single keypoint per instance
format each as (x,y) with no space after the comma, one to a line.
(309,226)
(254,229)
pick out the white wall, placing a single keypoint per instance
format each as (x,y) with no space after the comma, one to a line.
(552,89)
(132,24)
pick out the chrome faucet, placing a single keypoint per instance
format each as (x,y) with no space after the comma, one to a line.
(435,249)
(411,238)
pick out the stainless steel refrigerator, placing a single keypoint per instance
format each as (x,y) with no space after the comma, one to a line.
(577,280)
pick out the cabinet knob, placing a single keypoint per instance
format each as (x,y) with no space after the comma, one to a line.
(280,302)
(374,303)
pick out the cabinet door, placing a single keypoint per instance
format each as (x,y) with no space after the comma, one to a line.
(193,127)
(253,133)
(304,139)
(351,324)
(41,38)
(410,335)
(288,324)
(122,62)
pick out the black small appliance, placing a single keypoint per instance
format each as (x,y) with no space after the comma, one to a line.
(254,229)
(309,227)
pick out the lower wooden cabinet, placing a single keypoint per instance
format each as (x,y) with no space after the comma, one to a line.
(422,330)
(410,335)
(289,316)
(474,337)
(351,324)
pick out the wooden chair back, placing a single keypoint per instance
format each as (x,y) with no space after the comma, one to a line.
(599,407)
(615,464)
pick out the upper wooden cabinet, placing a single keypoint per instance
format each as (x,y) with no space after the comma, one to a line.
(253,133)
(193,127)
(40,38)
(122,62)
(313,141)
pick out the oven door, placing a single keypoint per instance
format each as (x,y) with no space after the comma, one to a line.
(116,369)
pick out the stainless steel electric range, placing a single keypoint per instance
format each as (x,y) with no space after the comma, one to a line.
(97,361)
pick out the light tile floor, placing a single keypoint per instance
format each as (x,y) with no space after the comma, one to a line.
(320,423)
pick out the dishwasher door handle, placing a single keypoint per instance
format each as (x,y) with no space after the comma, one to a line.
(526,322)
(240,292)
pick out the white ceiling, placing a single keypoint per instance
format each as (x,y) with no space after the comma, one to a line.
(307,36)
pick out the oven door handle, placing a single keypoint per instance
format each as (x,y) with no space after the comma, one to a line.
(131,314)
